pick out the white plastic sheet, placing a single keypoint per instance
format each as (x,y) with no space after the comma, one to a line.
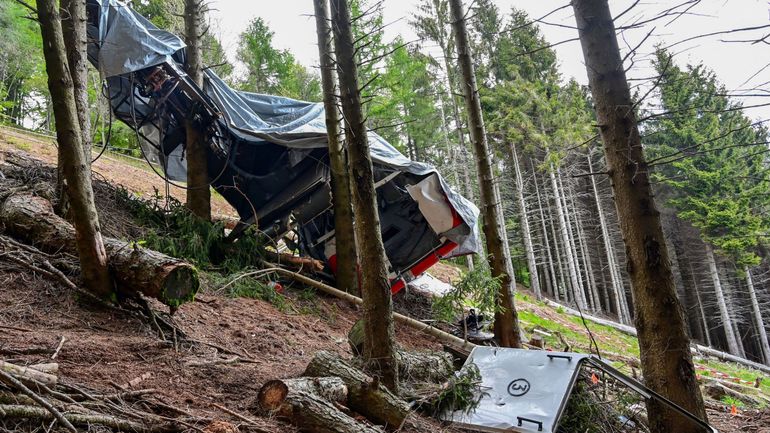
(523,390)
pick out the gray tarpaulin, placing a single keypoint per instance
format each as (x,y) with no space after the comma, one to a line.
(126,42)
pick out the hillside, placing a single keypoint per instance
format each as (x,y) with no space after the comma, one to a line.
(230,344)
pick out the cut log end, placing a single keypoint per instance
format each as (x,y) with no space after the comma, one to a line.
(180,285)
(272,395)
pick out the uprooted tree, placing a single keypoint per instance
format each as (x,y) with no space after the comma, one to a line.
(663,340)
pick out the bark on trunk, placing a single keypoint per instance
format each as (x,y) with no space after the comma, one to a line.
(73,14)
(313,414)
(198,189)
(275,394)
(724,314)
(413,366)
(665,346)
(76,169)
(758,320)
(73,21)
(134,269)
(506,319)
(344,237)
(379,346)
(29,373)
(534,279)
(365,395)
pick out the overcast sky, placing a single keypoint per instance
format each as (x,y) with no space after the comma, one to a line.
(738,65)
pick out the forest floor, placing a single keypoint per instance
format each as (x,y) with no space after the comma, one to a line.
(108,349)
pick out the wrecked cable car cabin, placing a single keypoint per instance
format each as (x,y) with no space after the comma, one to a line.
(267,155)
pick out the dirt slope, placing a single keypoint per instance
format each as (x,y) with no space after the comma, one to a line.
(106,348)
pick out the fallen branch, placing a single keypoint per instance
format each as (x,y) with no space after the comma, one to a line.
(61,344)
(28,373)
(440,335)
(15,383)
(20,411)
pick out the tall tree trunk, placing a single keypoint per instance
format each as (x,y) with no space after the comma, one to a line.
(758,320)
(73,14)
(506,319)
(76,169)
(565,237)
(664,344)
(579,291)
(591,282)
(617,283)
(198,189)
(534,279)
(344,237)
(551,282)
(724,314)
(379,348)
(73,22)
(704,322)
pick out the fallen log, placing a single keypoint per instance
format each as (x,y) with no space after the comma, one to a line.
(135,269)
(413,366)
(29,373)
(273,394)
(717,391)
(365,395)
(695,348)
(315,415)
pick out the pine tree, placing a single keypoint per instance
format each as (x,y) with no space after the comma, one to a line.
(76,170)
(664,344)
(344,236)
(379,347)
(506,324)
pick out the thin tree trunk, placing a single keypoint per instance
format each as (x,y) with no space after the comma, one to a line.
(565,237)
(554,284)
(579,292)
(76,170)
(704,322)
(506,319)
(379,348)
(617,284)
(534,279)
(664,344)
(592,291)
(727,322)
(344,237)
(758,320)
(198,189)
(73,14)
(73,21)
